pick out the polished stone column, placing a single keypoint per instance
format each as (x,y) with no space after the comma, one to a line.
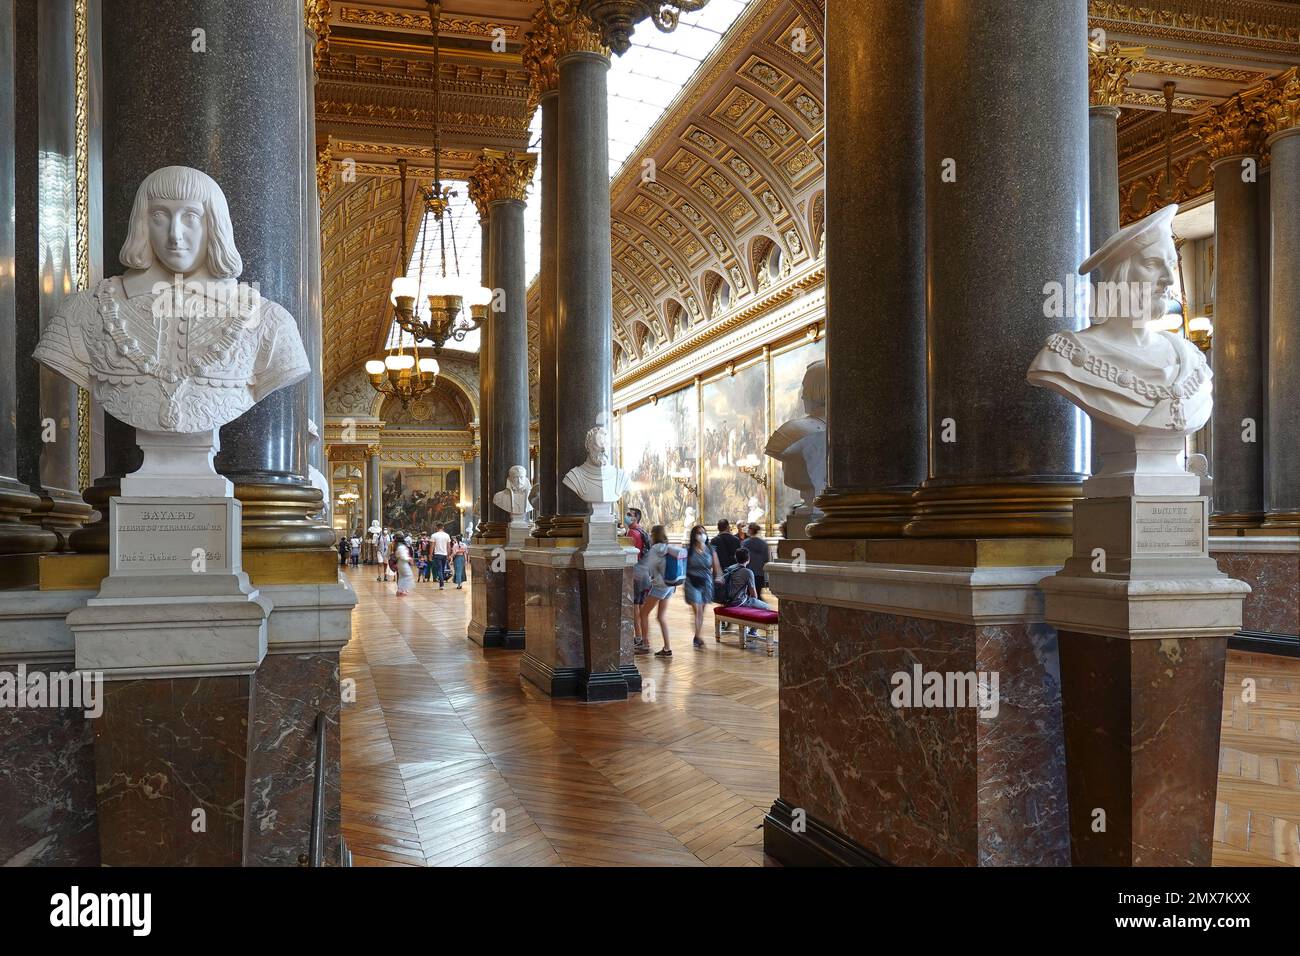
(875,213)
(16,498)
(1283,126)
(1234,135)
(500,183)
(1108,73)
(548,476)
(233,110)
(313,338)
(374,509)
(45,233)
(1006,162)
(470,492)
(584,305)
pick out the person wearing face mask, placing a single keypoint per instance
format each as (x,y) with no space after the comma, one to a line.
(701,568)
(632,520)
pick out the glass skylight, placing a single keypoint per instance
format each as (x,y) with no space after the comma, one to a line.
(642,84)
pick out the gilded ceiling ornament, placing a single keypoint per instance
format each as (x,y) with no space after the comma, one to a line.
(704,139)
(1280,101)
(765,74)
(617,19)
(541,46)
(1108,71)
(809,108)
(501,176)
(741,167)
(324,173)
(1237,128)
(778,126)
(317,16)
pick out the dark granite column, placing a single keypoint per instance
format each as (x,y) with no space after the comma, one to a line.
(16,498)
(548,403)
(374,505)
(1006,163)
(500,183)
(45,237)
(470,492)
(1234,135)
(313,333)
(584,305)
(875,212)
(229,105)
(1108,72)
(1283,490)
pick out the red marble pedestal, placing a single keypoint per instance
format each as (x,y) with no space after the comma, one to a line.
(497,597)
(1141,747)
(171,771)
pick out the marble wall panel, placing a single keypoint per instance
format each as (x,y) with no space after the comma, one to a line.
(1273,604)
(291,690)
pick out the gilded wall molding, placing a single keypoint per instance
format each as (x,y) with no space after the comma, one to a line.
(416,21)
(81,58)
(1247,24)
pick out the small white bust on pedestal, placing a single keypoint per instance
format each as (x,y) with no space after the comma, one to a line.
(1141,533)
(800,446)
(513,500)
(176,347)
(600,484)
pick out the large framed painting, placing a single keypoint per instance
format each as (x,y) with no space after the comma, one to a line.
(416,498)
(658,439)
(734,427)
(788,369)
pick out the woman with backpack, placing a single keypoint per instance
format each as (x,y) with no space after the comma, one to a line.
(702,568)
(660,569)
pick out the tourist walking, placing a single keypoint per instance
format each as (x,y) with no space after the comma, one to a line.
(441,546)
(632,520)
(344,548)
(458,555)
(660,569)
(405,576)
(381,554)
(702,569)
(356,550)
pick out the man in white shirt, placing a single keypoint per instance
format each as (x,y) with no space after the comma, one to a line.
(441,551)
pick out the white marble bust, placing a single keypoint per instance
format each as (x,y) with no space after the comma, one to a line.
(597,481)
(800,444)
(175,344)
(514,498)
(1123,374)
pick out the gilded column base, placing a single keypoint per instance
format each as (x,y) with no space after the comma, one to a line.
(62,513)
(1026,509)
(1232,521)
(92,538)
(17,535)
(1282,519)
(282,517)
(491,531)
(566,526)
(871,514)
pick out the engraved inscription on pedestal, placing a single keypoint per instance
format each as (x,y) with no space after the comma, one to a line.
(173,536)
(1169,527)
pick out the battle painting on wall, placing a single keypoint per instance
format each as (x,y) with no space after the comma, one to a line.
(734,428)
(655,441)
(415,499)
(787,379)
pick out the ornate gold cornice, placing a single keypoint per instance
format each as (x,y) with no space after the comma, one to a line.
(324,173)
(316,13)
(451,24)
(500,176)
(1237,128)
(81,62)
(541,44)
(1249,24)
(1155,100)
(1279,100)
(1108,71)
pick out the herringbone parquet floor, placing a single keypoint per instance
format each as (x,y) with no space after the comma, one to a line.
(449,760)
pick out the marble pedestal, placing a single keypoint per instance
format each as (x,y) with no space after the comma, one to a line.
(497,595)
(1270,563)
(1143,639)
(578,608)
(962,782)
(177,632)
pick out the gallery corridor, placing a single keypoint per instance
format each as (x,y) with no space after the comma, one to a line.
(443,735)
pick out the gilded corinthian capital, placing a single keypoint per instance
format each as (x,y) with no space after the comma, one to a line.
(1279,100)
(1234,128)
(1108,71)
(316,14)
(540,55)
(500,176)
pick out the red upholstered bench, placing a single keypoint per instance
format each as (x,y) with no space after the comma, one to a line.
(747,617)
